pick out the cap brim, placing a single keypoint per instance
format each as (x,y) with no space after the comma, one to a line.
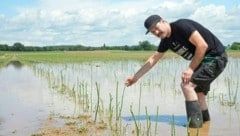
(147,32)
(154,24)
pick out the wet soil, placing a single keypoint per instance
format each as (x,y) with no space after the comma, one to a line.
(82,125)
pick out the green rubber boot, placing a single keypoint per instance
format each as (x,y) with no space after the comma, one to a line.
(194,114)
(206,116)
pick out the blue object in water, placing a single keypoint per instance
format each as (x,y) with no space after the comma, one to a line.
(179,120)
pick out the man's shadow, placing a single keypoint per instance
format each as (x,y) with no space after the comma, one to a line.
(177,120)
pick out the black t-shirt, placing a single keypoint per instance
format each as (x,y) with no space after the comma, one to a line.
(179,43)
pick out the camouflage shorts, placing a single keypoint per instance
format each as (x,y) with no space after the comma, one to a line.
(209,69)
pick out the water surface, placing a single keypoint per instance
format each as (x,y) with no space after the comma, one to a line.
(30,94)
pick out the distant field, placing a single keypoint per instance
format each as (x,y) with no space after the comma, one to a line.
(76,56)
(83,56)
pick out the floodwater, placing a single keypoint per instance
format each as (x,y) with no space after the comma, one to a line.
(25,101)
(30,94)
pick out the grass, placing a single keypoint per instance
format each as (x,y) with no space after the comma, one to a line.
(5,58)
(83,56)
(76,56)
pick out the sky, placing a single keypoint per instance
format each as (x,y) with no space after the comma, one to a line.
(109,22)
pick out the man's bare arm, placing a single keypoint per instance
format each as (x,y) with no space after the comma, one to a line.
(152,60)
(201,47)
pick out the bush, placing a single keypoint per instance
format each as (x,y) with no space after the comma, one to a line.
(235,46)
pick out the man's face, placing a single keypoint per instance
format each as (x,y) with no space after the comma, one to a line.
(159,30)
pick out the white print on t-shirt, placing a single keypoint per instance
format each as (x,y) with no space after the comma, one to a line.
(182,51)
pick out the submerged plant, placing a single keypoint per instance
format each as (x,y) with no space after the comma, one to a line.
(173,129)
(98,100)
(148,123)
(231,100)
(121,104)
(135,122)
(156,122)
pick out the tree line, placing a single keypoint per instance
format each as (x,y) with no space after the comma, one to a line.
(142,45)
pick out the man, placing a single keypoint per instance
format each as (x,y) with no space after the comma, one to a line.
(193,42)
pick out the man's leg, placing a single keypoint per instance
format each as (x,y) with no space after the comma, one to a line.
(189,92)
(203,76)
(203,106)
(193,109)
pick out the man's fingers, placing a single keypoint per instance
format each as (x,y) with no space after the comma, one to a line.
(127,83)
(130,81)
(185,78)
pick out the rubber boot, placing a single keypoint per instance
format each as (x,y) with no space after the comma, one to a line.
(194,114)
(206,116)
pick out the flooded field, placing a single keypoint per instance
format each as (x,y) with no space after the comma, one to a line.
(40,99)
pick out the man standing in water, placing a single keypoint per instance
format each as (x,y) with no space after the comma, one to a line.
(193,42)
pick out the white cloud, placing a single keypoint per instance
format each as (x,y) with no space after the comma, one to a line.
(93,23)
(222,23)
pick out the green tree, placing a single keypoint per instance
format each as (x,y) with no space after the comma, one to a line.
(146,45)
(18,47)
(235,46)
(3,47)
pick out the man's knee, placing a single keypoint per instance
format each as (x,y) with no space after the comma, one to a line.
(189,92)
(187,87)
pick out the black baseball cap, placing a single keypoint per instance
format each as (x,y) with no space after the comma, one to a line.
(151,21)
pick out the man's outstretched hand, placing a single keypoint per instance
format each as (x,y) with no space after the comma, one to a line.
(130,81)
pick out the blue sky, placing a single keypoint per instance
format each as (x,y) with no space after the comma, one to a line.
(11,7)
(110,22)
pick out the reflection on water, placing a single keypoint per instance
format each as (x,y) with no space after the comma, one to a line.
(15,63)
(29,94)
(204,131)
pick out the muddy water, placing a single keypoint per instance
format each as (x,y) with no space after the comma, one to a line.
(25,100)
(31,94)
